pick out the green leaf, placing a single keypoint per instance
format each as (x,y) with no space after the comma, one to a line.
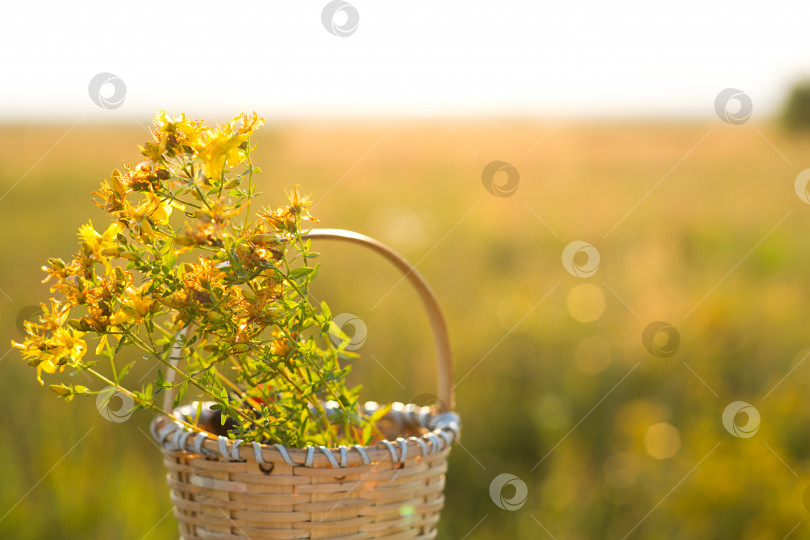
(325,310)
(300,272)
(198,413)
(379,413)
(125,370)
(180,394)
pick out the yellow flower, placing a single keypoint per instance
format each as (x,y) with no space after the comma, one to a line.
(135,304)
(120,317)
(172,136)
(102,344)
(280,345)
(48,366)
(70,348)
(286,218)
(223,146)
(299,204)
(113,193)
(153,207)
(97,243)
(146,176)
(50,319)
(152,210)
(64,347)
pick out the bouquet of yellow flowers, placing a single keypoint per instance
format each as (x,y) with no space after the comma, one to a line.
(185,266)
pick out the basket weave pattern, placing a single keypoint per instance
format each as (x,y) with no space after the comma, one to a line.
(223,490)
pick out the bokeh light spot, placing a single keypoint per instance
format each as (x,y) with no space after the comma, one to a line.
(586,302)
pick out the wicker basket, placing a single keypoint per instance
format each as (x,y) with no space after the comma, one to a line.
(226,490)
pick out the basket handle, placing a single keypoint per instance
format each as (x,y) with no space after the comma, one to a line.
(441,339)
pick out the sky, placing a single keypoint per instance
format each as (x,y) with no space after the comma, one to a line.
(289,60)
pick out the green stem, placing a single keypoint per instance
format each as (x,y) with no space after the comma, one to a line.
(141,402)
(225,406)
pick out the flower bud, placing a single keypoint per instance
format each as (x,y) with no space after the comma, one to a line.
(59,389)
(214,317)
(240,348)
(112,252)
(79,324)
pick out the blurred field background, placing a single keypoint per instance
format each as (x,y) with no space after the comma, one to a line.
(718,249)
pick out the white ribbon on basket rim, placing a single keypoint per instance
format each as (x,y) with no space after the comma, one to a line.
(444,429)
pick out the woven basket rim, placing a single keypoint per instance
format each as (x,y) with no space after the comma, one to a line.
(443,430)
